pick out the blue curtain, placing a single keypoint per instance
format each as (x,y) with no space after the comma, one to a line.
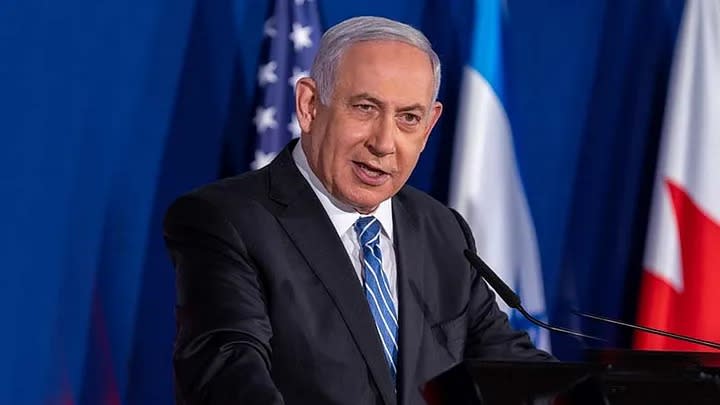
(109,110)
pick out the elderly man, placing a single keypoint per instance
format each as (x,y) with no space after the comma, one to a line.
(322,278)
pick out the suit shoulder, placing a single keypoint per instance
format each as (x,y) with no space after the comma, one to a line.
(434,214)
(422,203)
(246,192)
(232,191)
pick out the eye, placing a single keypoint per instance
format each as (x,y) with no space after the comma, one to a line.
(364,107)
(410,118)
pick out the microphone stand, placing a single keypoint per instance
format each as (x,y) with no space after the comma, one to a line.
(647,329)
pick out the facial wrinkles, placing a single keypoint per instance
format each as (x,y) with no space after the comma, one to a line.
(380,137)
(326,159)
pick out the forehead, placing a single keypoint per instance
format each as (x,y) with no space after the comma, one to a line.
(386,68)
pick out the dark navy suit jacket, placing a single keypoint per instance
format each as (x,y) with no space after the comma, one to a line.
(270,310)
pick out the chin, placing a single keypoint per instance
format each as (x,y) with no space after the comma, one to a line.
(360,197)
(367,204)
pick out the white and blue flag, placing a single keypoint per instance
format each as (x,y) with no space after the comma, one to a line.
(486,186)
(291,38)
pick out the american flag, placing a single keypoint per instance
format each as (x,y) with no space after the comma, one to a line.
(291,37)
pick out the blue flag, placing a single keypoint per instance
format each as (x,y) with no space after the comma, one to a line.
(486,185)
(291,37)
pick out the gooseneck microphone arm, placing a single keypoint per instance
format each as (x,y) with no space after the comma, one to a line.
(512,299)
(653,331)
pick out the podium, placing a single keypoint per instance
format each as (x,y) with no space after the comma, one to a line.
(613,377)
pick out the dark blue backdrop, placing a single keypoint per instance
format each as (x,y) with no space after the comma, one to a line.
(109,110)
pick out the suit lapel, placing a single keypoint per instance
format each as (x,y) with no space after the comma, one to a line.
(309,227)
(408,242)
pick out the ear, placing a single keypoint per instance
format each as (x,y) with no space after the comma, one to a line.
(435,112)
(306,99)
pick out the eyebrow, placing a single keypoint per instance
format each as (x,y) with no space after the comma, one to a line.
(382,104)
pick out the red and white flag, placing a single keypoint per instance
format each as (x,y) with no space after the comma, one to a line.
(680,290)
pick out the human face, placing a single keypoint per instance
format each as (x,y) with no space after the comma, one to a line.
(365,143)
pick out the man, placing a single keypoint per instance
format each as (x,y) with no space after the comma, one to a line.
(322,278)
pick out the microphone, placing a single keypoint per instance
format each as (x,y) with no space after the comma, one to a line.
(512,299)
(647,329)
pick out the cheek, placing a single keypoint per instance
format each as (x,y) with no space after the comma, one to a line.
(408,153)
(336,155)
(344,143)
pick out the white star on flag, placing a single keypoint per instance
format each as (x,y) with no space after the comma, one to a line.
(266,73)
(262,159)
(269,27)
(290,40)
(294,127)
(297,75)
(300,36)
(264,119)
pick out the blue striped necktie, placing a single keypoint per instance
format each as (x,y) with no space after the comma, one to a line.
(377,289)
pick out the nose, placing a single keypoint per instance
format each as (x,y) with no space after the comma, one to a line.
(382,141)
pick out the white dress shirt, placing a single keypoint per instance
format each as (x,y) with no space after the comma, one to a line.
(343,218)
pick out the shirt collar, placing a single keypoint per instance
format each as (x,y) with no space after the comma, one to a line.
(341,215)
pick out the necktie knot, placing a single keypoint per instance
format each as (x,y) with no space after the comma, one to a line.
(368,230)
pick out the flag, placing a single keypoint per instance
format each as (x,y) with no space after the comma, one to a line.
(291,37)
(681,277)
(485,184)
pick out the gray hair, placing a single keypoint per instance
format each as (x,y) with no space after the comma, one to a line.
(340,37)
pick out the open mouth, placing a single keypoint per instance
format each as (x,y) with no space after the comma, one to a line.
(369,174)
(370,168)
